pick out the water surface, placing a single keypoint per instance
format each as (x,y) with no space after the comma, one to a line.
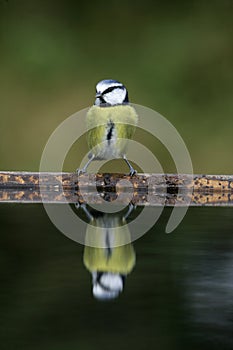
(179,294)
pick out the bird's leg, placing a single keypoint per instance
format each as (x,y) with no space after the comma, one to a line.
(129,211)
(84,208)
(132,171)
(84,169)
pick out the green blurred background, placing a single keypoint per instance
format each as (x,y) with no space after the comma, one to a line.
(174,56)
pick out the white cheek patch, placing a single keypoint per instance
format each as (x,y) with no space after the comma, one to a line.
(116,96)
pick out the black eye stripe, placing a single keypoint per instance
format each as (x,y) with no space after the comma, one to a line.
(111,88)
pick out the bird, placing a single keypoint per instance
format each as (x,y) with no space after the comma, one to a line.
(111,121)
(111,264)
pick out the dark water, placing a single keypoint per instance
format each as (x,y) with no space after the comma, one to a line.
(179,294)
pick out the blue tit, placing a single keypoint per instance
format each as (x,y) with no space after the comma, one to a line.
(110,265)
(111,122)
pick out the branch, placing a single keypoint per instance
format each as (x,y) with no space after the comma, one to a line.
(141,189)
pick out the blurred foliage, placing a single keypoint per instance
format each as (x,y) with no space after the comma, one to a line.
(174,56)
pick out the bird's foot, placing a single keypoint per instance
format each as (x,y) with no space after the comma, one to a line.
(132,172)
(83,207)
(80,171)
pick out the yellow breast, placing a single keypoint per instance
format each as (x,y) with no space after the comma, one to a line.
(107,127)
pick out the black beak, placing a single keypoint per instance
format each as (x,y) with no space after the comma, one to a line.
(98,95)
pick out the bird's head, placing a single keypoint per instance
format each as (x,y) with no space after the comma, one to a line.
(110,93)
(107,285)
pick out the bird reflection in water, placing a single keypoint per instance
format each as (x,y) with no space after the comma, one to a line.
(108,255)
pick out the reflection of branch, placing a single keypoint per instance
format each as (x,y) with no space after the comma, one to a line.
(141,189)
